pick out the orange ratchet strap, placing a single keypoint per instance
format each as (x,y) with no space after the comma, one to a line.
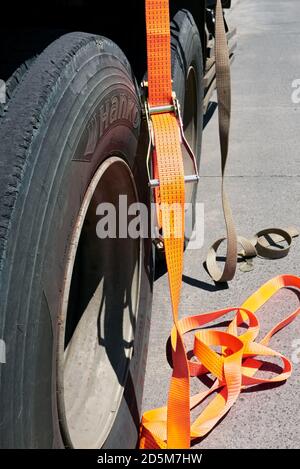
(235,366)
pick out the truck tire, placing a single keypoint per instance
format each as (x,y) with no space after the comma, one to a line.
(12,84)
(74,309)
(187,74)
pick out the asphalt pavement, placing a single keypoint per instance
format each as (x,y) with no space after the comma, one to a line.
(263,183)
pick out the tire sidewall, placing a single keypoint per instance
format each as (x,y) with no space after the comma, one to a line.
(94,113)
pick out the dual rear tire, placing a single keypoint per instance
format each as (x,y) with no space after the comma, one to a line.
(74,309)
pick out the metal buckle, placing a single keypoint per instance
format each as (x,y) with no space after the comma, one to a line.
(175,108)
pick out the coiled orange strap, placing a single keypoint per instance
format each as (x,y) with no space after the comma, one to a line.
(235,366)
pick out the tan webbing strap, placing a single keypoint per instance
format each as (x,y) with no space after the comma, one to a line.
(259,244)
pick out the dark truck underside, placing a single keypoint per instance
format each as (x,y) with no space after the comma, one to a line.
(31,26)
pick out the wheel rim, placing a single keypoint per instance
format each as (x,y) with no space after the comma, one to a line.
(190,120)
(98,315)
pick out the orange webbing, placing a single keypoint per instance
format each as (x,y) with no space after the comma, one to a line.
(235,366)
(158,52)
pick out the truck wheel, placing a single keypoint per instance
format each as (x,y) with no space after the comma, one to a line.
(74,309)
(12,84)
(187,74)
